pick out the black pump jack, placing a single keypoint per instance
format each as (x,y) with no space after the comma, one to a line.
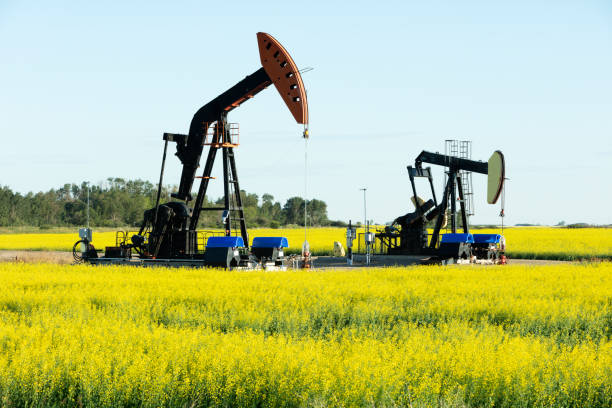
(175,235)
(413,235)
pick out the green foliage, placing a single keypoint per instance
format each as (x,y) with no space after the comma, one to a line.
(118,202)
(293,212)
(112,203)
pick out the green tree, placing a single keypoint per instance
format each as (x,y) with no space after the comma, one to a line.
(119,202)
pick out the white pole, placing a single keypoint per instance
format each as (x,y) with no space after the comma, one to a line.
(87,205)
(366,226)
(306,245)
(305,188)
(364,207)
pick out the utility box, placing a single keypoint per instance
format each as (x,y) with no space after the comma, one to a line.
(351,234)
(85,234)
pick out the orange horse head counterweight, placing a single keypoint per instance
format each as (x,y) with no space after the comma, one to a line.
(285,76)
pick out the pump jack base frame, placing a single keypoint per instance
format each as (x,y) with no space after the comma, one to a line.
(247,265)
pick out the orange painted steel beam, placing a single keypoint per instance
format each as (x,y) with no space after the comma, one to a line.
(244,98)
(285,76)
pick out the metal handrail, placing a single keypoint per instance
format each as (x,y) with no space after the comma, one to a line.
(212,127)
(202,237)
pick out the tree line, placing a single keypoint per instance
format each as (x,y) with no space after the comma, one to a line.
(118,202)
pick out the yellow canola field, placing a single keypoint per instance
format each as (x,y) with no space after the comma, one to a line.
(557,243)
(521,242)
(420,336)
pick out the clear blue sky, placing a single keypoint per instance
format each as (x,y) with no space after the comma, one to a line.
(88,88)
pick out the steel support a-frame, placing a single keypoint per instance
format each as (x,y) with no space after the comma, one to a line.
(221,139)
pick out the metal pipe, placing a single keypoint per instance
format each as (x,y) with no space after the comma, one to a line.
(161,179)
(451,181)
(226,200)
(433,191)
(414,194)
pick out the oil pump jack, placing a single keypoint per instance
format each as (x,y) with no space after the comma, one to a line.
(168,234)
(408,234)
